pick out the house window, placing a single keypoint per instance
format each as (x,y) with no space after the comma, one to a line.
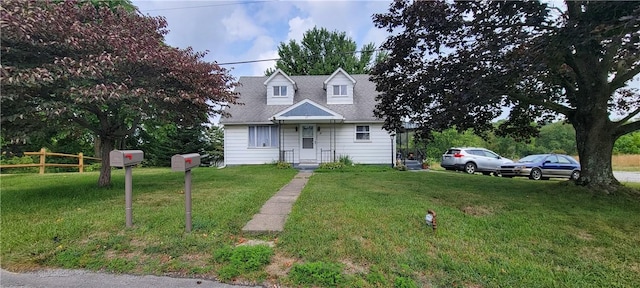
(279,90)
(263,136)
(340,90)
(362,133)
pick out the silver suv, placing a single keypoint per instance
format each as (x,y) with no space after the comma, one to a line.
(472,160)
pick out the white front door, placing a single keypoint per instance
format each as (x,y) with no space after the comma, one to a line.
(308,143)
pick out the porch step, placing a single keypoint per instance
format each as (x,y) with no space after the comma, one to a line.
(413,164)
(306,166)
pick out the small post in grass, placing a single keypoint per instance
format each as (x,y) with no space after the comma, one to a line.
(184,163)
(431,219)
(127,159)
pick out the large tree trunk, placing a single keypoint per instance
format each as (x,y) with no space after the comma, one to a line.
(595,139)
(105,172)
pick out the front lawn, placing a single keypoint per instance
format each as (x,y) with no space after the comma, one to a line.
(364,227)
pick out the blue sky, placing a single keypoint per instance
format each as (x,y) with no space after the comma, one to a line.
(235,31)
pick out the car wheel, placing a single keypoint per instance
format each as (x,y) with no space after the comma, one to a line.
(575,175)
(536,174)
(470,168)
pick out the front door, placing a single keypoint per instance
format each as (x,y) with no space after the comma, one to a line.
(308,143)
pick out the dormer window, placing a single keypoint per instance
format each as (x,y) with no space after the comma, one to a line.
(340,90)
(280,91)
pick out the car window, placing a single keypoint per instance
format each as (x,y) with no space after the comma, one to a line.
(490,154)
(532,158)
(453,151)
(566,160)
(552,159)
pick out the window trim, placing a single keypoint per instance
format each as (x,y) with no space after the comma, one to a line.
(339,87)
(280,88)
(367,132)
(273,130)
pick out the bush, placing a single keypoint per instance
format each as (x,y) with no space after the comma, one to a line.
(283,165)
(401,167)
(346,160)
(317,273)
(332,165)
(18,160)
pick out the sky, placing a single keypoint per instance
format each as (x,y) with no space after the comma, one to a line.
(236,31)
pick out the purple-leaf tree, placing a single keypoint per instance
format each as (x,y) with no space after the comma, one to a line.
(105,69)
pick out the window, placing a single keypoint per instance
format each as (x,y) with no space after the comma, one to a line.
(263,136)
(279,90)
(340,90)
(362,133)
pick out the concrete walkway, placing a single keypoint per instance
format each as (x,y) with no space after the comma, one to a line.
(274,212)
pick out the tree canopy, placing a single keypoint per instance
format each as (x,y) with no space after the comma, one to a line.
(322,52)
(457,63)
(103,68)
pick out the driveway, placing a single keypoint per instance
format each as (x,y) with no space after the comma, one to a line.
(624,176)
(59,278)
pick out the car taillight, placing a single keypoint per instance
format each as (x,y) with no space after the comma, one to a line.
(457,155)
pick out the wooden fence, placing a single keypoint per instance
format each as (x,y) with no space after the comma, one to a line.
(43,156)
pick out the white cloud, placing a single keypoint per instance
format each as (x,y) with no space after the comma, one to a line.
(264,47)
(375,35)
(297,27)
(240,26)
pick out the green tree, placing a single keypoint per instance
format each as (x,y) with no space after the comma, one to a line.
(441,141)
(557,137)
(105,69)
(322,52)
(458,63)
(628,144)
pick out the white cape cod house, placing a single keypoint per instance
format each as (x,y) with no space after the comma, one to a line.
(305,120)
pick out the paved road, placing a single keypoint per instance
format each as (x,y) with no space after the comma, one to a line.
(627,176)
(58,278)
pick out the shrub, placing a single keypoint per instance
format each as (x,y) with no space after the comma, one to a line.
(346,160)
(18,160)
(401,167)
(317,273)
(332,165)
(283,165)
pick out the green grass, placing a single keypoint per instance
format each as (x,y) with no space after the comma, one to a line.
(64,220)
(492,232)
(362,226)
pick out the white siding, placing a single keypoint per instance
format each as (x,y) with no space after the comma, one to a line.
(375,151)
(280,80)
(237,151)
(340,79)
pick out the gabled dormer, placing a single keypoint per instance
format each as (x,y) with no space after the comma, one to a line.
(339,87)
(280,88)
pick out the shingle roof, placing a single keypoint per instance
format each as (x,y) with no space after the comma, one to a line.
(253,94)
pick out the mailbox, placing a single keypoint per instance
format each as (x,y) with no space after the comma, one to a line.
(125,158)
(185,162)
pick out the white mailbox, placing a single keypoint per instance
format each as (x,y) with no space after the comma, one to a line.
(125,158)
(185,162)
